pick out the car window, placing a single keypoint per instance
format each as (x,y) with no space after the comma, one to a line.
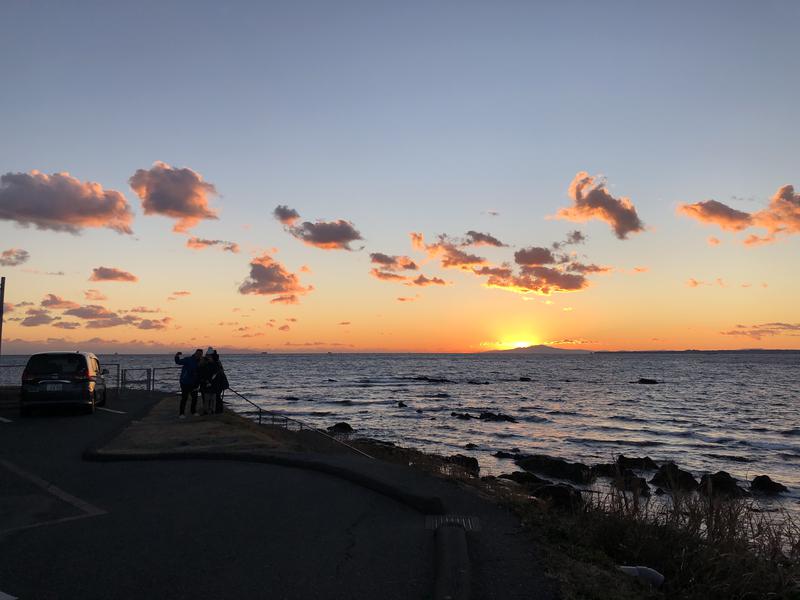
(65,364)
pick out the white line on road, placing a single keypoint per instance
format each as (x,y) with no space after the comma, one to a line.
(89,510)
(7,597)
(118,412)
(3,420)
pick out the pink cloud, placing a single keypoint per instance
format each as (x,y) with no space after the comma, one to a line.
(534,256)
(91,311)
(196,243)
(13,257)
(268,277)
(283,328)
(592,200)
(59,202)
(111,274)
(144,310)
(37,317)
(178,193)
(713,241)
(154,323)
(393,263)
(95,295)
(423,281)
(475,238)
(8,307)
(408,298)
(67,325)
(54,302)
(763,330)
(640,269)
(387,275)
(286,215)
(717,213)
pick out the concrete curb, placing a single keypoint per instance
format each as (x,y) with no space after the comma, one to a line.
(429,505)
(452,564)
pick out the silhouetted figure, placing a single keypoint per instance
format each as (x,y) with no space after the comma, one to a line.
(189,379)
(219,383)
(207,371)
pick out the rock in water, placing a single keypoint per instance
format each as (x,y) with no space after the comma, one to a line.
(556,467)
(524,378)
(720,484)
(526,479)
(670,477)
(643,464)
(490,416)
(469,464)
(561,496)
(340,428)
(764,485)
(401,404)
(463,416)
(628,481)
(646,381)
(471,446)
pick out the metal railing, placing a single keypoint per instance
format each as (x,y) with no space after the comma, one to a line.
(9,377)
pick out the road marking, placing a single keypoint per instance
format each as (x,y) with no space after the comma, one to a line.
(117,412)
(7,597)
(88,510)
(3,420)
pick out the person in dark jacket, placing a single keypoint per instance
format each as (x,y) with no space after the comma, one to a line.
(207,371)
(219,383)
(189,380)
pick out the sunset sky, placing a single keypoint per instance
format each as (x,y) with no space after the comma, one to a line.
(399,176)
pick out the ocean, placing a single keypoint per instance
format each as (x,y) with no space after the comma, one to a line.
(738,412)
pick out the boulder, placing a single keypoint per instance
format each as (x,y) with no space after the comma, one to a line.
(490,416)
(291,398)
(340,428)
(670,477)
(628,481)
(504,454)
(525,379)
(560,496)
(605,470)
(471,446)
(526,479)
(764,485)
(468,463)
(556,467)
(646,381)
(642,464)
(720,484)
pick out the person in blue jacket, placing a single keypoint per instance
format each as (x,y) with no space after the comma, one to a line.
(189,380)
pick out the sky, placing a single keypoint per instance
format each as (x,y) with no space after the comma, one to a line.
(409,177)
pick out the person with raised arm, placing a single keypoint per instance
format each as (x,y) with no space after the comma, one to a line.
(189,380)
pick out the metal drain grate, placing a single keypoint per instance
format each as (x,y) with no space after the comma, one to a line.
(468,523)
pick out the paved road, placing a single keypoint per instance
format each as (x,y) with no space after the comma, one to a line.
(185,529)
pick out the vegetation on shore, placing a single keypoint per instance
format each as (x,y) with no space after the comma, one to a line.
(706,547)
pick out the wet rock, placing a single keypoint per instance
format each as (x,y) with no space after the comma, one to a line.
(764,485)
(556,467)
(340,428)
(419,411)
(646,381)
(490,416)
(526,479)
(605,470)
(524,378)
(560,496)
(476,382)
(670,477)
(401,404)
(291,398)
(468,463)
(462,416)
(721,484)
(516,450)
(504,454)
(643,464)
(331,380)
(628,481)
(470,446)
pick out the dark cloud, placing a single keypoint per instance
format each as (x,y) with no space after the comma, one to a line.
(268,277)
(196,243)
(91,311)
(540,280)
(711,211)
(475,238)
(328,235)
(13,257)
(67,325)
(423,281)
(37,317)
(763,330)
(95,295)
(284,328)
(534,256)
(286,215)
(387,275)
(573,238)
(115,321)
(177,193)
(591,200)
(54,302)
(286,299)
(503,271)
(393,263)
(111,274)
(154,323)
(60,202)
(582,268)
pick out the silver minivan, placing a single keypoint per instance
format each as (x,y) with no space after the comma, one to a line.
(63,379)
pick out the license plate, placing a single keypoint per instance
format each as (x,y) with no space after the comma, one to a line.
(52,387)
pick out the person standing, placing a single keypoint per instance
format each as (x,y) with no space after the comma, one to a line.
(207,371)
(189,380)
(219,383)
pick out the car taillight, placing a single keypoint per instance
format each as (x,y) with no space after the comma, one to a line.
(27,377)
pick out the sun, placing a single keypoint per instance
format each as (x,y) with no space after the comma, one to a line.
(521,344)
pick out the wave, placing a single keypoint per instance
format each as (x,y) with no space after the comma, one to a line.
(791,432)
(605,442)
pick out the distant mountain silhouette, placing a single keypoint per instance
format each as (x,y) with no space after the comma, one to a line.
(539,349)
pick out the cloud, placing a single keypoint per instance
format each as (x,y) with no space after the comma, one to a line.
(67,325)
(284,328)
(591,200)
(95,295)
(54,302)
(534,256)
(693,283)
(318,344)
(344,322)
(408,298)
(763,330)
(475,238)
(449,253)
(717,213)
(144,310)
(13,257)
(417,241)
(713,241)
(59,202)
(327,235)
(423,281)
(154,323)
(286,215)
(37,317)
(35,272)
(387,275)
(268,277)
(637,270)
(579,267)
(111,274)
(393,263)
(8,307)
(115,321)
(91,311)
(177,193)
(196,243)
(504,271)
(780,217)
